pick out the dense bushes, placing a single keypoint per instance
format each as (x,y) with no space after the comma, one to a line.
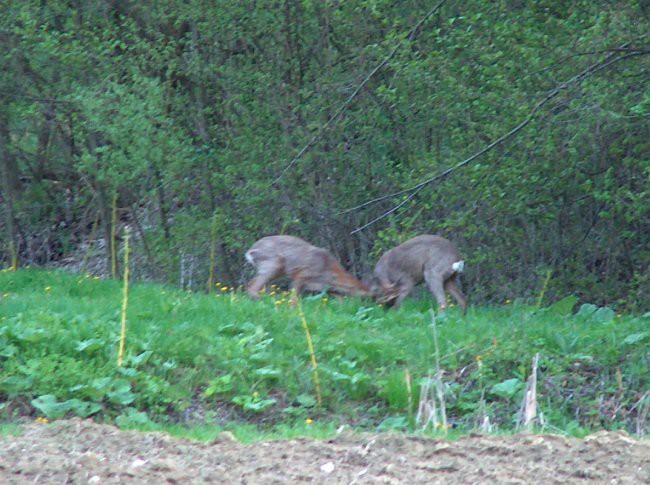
(178,119)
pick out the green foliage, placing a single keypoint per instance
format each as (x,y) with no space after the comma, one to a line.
(50,407)
(189,112)
(190,358)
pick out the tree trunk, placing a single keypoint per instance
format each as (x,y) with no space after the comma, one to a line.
(10,186)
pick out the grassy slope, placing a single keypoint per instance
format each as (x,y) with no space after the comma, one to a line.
(194,358)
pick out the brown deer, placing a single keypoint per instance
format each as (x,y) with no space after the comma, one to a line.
(433,259)
(309,267)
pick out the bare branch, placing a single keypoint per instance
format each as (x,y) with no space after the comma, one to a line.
(411,35)
(412,191)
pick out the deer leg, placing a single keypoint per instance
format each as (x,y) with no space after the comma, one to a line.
(451,286)
(405,288)
(266,272)
(435,284)
(297,286)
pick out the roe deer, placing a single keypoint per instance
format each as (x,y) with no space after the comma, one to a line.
(433,259)
(309,267)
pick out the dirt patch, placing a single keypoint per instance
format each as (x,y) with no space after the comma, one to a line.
(81,451)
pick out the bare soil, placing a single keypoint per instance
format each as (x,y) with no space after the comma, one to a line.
(80,451)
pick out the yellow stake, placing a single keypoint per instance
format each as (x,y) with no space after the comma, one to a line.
(125,297)
(310,344)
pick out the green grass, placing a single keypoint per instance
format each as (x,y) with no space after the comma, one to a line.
(197,364)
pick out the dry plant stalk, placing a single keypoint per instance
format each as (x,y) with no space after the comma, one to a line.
(642,414)
(310,345)
(125,298)
(409,391)
(486,425)
(439,386)
(432,409)
(14,256)
(528,413)
(544,286)
(427,410)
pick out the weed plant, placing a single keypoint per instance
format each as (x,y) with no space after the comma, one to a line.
(219,359)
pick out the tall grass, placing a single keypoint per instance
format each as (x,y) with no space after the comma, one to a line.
(197,358)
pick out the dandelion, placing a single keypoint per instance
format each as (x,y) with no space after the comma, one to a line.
(309,421)
(224,289)
(41,420)
(508,302)
(48,289)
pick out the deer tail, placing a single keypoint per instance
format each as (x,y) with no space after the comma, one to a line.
(250,256)
(458,266)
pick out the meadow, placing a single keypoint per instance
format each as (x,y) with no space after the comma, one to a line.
(221,361)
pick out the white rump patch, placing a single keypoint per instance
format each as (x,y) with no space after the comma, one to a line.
(458,266)
(249,257)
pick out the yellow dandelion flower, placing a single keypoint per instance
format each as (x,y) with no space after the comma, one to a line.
(309,421)
(224,288)
(41,420)
(48,288)
(508,302)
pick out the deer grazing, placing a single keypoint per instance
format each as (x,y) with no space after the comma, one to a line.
(309,267)
(433,259)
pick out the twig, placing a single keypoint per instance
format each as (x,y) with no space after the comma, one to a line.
(412,191)
(319,133)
